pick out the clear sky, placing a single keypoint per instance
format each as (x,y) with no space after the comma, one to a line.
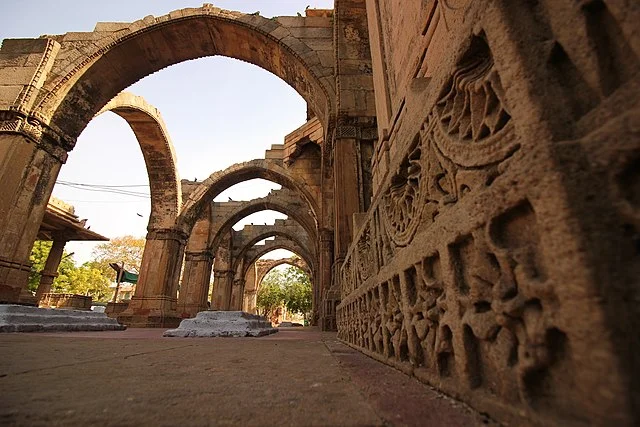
(218,111)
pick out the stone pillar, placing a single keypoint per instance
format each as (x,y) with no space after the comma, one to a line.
(50,271)
(222,288)
(154,303)
(28,171)
(195,283)
(250,290)
(237,295)
(323,276)
(222,275)
(237,292)
(346,192)
(31,154)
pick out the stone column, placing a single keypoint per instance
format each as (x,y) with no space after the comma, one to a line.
(28,171)
(237,292)
(222,288)
(323,277)
(31,154)
(222,275)
(50,271)
(154,303)
(346,192)
(250,290)
(195,283)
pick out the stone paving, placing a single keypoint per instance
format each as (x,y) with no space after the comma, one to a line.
(299,376)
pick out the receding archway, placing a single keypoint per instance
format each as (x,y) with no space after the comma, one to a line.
(292,261)
(221,180)
(272,231)
(284,201)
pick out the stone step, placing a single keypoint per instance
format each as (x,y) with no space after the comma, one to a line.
(223,324)
(19,318)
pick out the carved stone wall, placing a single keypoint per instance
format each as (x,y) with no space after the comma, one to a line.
(502,237)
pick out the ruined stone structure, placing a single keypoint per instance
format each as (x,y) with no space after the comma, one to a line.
(466,188)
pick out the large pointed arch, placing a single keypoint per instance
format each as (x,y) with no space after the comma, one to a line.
(240,172)
(93,73)
(158,152)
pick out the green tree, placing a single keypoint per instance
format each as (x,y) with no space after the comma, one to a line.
(38,258)
(298,293)
(290,288)
(271,294)
(126,248)
(84,280)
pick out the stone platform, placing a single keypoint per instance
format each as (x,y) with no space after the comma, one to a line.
(19,318)
(223,324)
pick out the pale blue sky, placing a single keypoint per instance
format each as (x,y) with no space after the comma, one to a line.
(218,111)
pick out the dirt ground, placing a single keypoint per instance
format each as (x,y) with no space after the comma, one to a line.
(136,377)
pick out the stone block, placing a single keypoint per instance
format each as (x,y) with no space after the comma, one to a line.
(320,44)
(312,32)
(17,75)
(8,95)
(18,318)
(223,324)
(291,21)
(109,26)
(24,45)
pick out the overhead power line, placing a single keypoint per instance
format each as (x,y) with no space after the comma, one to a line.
(102,189)
(101,185)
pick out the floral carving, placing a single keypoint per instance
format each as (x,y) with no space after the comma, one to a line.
(403,201)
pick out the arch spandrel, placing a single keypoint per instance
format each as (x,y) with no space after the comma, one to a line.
(159,155)
(94,70)
(219,181)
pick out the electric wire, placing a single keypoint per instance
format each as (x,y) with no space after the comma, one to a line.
(105,189)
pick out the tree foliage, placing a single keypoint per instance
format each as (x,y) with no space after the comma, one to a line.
(290,288)
(38,258)
(298,291)
(127,249)
(93,277)
(84,280)
(271,294)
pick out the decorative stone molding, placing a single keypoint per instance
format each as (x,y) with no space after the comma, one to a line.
(362,128)
(198,256)
(43,136)
(167,234)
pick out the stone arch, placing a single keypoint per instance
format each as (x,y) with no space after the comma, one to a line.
(118,55)
(221,180)
(159,155)
(284,201)
(251,288)
(273,232)
(294,262)
(278,243)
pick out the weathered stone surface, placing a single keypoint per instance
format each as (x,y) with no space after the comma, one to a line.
(487,150)
(18,318)
(223,324)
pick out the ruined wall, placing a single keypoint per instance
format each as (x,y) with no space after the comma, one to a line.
(499,259)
